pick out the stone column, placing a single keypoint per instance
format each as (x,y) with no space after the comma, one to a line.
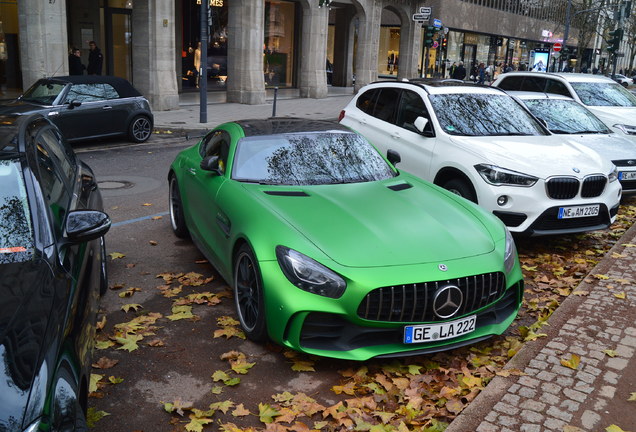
(245,80)
(368,42)
(43,39)
(312,81)
(410,47)
(153,47)
(343,49)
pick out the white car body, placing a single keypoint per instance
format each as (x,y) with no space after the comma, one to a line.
(446,158)
(594,134)
(620,115)
(623,80)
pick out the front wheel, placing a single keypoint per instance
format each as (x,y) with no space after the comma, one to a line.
(177,218)
(462,188)
(139,129)
(248,295)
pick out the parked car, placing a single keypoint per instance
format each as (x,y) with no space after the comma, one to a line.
(332,251)
(87,107)
(52,270)
(623,80)
(565,116)
(484,145)
(601,95)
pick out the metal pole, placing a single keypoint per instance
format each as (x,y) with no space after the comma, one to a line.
(274,104)
(203,67)
(566,33)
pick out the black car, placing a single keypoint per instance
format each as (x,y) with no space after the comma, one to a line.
(52,272)
(86,107)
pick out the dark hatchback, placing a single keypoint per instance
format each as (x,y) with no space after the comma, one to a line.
(52,272)
(88,107)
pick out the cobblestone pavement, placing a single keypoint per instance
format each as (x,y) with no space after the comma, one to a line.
(599,326)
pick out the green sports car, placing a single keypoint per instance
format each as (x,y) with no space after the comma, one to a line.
(332,251)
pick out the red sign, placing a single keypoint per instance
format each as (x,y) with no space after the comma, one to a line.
(557,47)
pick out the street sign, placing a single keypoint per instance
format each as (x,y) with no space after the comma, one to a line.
(421,17)
(425,10)
(437,23)
(557,47)
(435,44)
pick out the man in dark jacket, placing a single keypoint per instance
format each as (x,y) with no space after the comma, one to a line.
(460,72)
(95,59)
(75,66)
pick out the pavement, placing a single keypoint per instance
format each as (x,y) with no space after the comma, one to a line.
(597,324)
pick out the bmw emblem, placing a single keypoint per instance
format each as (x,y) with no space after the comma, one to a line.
(447,301)
(631,162)
(442,267)
(576,170)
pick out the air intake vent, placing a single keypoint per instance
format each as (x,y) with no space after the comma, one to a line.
(287,193)
(401,186)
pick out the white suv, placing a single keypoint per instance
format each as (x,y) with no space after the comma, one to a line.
(606,98)
(484,145)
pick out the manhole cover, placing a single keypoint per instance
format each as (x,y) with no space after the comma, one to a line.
(115,184)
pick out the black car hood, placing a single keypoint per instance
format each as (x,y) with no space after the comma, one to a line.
(19,107)
(26,298)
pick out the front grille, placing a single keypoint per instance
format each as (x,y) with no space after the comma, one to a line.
(562,187)
(628,185)
(625,162)
(414,302)
(593,186)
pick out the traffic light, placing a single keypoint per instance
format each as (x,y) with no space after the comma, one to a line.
(615,42)
(429,36)
(444,42)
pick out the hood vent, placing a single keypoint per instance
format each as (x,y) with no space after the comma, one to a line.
(287,193)
(401,186)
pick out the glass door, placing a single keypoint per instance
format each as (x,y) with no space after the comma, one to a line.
(119,43)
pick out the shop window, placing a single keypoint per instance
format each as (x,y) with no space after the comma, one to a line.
(279,44)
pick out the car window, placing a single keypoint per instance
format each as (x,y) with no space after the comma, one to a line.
(366,101)
(557,87)
(62,153)
(16,229)
(566,116)
(216,143)
(411,106)
(386,104)
(312,158)
(56,194)
(474,114)
(533,84)
(511,83)
(110,92)
(604,94)
(86,93)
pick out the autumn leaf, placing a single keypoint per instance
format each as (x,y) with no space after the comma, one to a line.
(303,366)
(93,416)
(217,389)
(129,342)
(581,293)
(601,276)
(177,406)
(180,312)
(146,204)
(101,323)
(454,406)
(104,363)
(220,376)
(156,217)
(229,332)
(226,321)
(134,306)
(572,363)
(240,411)
(610,352)
(94,383)
(116,255)
(222,406)
(621,295)
(529,268)
(129,292)
(509,372)
(196,424)
(155,343)
(266,413)
(153,243)
(115,380)
(614,428)
(241,367)
(104,344)
(348,388)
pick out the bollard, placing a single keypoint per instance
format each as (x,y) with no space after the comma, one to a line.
(274,105)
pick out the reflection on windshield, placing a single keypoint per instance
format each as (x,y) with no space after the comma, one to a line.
(16,236)
(566,116)
(313,158)
(482,115)
(604,94)
(43,92)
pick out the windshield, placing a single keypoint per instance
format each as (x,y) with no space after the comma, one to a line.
(313,158)
(566,116)
(604,94)
(483,115)
(43,92)
(16,234)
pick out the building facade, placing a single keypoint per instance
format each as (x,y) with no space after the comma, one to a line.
(253,45)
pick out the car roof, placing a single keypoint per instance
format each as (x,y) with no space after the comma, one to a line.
(441,86)
(536,95)
(123,87)
(282,125)
(566,76)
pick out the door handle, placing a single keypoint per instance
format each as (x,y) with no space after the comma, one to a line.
(363,121)
(107,107)
(54,113)
(395,135)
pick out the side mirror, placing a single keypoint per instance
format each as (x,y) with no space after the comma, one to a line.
(211,163)
(420,124)
(86,225)
(73,104)
(393,157)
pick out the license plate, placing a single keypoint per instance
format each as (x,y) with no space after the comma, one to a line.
(436,332)
(627,175)
(578,211)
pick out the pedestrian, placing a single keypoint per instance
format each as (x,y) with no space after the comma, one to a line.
(490,71)
(197,63)
(452,70)
(75,66)
(460,72)
(95,59)
(473,73)
(481,73)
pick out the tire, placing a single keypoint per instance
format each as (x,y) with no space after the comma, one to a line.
(177,218)
(462,188)
(248,295)
(103,268)
(139,129)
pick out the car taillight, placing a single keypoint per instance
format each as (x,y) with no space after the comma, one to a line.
(341,116)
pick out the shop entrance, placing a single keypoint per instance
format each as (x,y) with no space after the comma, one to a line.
(118,43)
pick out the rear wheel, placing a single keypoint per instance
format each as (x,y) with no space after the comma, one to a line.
(177,219)
(248,295)
(139,129)
(462,188)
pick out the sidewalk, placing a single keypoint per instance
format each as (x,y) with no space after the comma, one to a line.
(553,397)
(288,104)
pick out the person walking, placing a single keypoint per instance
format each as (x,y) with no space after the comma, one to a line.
(95,59)
(481,73)
(75,66)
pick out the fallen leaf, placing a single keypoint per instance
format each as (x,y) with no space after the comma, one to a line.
(614,428)
(104,363)
(572,363)
(156,343)
(146,204)
(129,292)
(266,413)
(601,276)
(621,295)
(115,380)
(95,379)
(177,406)
(581,293)
(240,411)
(153,243)
(134,306)
(632,397)
(303,366)
(610,352)
(93,416)
(116,255)
(156,217)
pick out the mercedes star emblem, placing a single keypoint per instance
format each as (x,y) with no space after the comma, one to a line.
(447,302)
(442,267)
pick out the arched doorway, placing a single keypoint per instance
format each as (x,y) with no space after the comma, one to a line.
(389,44)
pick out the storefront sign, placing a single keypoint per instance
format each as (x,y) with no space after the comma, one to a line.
(471,39)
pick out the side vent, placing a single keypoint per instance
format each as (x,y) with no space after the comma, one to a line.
(287,193)
(401,186)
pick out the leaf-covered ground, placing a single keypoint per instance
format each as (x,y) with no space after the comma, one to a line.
(422,393)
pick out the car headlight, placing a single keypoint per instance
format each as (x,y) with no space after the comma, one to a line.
(613,175)
(308,274)
(628,129)
(498,176)
(510,255)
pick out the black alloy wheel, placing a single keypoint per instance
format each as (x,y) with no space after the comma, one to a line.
(248,295)
(139,129)
(177,219)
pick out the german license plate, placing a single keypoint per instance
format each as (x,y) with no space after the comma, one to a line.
(627,175)
(578,211)
(437,332)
